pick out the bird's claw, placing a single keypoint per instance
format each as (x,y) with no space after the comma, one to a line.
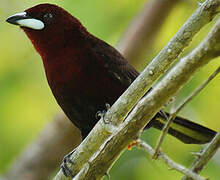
(101,114)
(108,106)
(64,167)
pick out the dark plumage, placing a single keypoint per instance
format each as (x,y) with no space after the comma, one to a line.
(85,73)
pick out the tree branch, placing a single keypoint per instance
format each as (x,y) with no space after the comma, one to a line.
(174,114)
(173,165)
(97,166)
(65,139)
(105,137)
(204,14)
(205,156)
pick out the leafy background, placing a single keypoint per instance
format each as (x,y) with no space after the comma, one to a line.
(27,105)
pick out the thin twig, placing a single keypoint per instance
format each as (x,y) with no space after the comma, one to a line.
(173,165)
(174,114)
(206,155)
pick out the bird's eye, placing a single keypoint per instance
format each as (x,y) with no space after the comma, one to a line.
(48,16)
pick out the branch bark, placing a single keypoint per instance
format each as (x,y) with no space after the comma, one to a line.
(65,139)
(105,132)
(148,106)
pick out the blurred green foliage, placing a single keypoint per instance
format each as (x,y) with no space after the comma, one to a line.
(26,103)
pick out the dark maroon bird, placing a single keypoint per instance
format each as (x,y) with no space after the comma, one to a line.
(84,72)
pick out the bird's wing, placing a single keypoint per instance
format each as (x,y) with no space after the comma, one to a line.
(114,63)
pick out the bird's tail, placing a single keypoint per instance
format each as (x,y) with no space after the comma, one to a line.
(183,129)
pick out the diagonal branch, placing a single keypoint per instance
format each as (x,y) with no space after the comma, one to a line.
(146,147)
(205,156)
(105,136)
(174,114)
(167,56)
(97,166)
(49,142)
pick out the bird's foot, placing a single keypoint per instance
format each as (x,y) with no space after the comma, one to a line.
(101,114)
(64,167)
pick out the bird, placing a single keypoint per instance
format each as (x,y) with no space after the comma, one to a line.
(85,73)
